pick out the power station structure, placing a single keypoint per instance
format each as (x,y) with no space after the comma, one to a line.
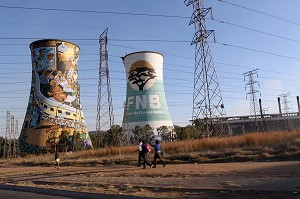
(208,106)
(54,102)
(145,97)
(270,122)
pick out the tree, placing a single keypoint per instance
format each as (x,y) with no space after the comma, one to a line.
(114,136)
(201,126)
(77,141)
(166,133)
(2,141)
(144,133)
(188,132)
(147,132)
(64,140)
(137,132)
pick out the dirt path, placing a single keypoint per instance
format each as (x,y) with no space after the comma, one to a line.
(220,180)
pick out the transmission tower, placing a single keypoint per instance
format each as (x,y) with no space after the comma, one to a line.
(254,107)
(7,153)
(16,149)
(105,117)
(13,138)
(286,102)
(207,98)
(287,109)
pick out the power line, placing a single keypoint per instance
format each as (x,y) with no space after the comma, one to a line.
(181,66)
(93,11)
(220,43)
(260,12)
(167,78)
(91,39)
(258,31)
(220,21)
(259,51)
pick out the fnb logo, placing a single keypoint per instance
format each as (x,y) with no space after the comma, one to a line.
(141,75)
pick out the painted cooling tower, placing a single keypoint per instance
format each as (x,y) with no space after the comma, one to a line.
(54,109)
(145,98)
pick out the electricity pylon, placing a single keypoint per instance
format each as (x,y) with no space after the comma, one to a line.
(287,109)
(105,117)
(16,146)
(254,108)
(207,98)
(7,151)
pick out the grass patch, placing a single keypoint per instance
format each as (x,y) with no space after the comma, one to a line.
(248,147)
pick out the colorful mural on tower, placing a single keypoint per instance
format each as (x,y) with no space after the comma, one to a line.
(54,102)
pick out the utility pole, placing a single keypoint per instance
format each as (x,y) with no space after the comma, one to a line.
(105,117)
(254,107)
(207,99)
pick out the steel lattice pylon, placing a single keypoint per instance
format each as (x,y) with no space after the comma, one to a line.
(16,147)
(207,99)
(7,151)
(254,108)
(12,136)
(105,117)
(287,109)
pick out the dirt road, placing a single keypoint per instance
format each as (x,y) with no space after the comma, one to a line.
(220,180)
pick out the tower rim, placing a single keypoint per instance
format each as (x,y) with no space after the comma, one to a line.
(36,43)
(138,52)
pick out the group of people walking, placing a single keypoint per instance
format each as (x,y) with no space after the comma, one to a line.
(143,153)
(143,149)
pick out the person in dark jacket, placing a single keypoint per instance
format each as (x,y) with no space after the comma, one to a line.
(56,155)
(144,154)
(158,153)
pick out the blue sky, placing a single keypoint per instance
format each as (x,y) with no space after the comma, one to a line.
(260,34)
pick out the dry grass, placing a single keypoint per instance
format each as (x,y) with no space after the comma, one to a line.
(250,141)
(255,146)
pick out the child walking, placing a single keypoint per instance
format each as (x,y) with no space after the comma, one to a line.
(144,155)
(157,154)
(56,155)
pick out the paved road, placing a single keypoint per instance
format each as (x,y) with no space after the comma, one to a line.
(14,194)
(17,192)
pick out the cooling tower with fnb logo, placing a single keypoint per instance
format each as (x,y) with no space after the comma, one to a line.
(145,97)
(54,114)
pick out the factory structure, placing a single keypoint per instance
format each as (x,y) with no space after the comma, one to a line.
(262,122)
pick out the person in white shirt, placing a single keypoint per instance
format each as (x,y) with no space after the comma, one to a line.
(140,152)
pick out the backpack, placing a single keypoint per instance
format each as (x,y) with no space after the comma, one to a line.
(148,149)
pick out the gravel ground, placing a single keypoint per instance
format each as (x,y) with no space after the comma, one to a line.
(211,181)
